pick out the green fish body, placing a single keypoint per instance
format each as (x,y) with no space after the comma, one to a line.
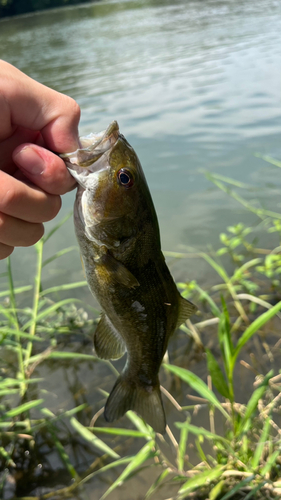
(118,234)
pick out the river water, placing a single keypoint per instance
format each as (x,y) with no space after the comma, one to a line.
(194,85)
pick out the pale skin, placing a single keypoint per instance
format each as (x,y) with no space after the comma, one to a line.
(34,121)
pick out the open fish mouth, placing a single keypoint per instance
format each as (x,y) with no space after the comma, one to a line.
(93,154)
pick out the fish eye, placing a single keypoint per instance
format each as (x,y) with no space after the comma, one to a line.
(125,178)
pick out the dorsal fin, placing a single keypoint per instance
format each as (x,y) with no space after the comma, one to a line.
(108,343)
(186,309)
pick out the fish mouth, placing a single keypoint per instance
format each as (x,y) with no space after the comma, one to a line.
(92,157)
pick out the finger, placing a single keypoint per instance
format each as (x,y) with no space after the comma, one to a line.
(29,104)
(19,136)
(44,169)
(26,202)
(5,251)
(16,232)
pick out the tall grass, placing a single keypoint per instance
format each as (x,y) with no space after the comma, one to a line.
(237,455)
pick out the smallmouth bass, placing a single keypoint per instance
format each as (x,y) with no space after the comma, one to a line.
(118,234)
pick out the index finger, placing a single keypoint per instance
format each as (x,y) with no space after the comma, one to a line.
(44,169)
(29,104)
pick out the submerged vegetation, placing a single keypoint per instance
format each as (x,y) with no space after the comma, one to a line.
(226,443)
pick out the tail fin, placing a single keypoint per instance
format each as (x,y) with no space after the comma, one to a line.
(146,401)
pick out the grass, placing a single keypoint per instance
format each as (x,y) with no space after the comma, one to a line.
(235,454)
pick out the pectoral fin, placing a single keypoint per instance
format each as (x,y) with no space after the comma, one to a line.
(108,343)
(119,272)
(186,309)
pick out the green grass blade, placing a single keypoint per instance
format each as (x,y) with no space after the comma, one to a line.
(198,385)
(237,487)
(118,432)
(15,322)
(260,212)
(63,356)
(217,375)
(218,268)
(200,431)
(217,490)
(200,450)
(253,492)
(92,439)
(22,408)
(7,456)
(17,290)
(10,382)
(179,255)
(200,480)
(157,483)
(20,334)
(112,465)
(9,314)
(253,402)
(182,446)
(204,296)
(269,159)
(271,461)
(5,392)
(56,227)
(260,446)
(12,294)
(228,345)
(57,255)
(140,424)
(54,418)
(62,453)
(62,288)
(228,180)
(241,270)
(35,306)
(144,454)
(254,327)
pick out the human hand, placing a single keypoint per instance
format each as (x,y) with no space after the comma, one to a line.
(34,120)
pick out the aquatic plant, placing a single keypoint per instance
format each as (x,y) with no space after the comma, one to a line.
(236,454)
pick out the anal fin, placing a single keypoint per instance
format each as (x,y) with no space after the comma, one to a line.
(186,309)
(108,343)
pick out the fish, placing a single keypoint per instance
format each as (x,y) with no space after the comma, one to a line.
(118,233)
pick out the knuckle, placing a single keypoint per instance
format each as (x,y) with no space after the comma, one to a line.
(75,110)
(10,198)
